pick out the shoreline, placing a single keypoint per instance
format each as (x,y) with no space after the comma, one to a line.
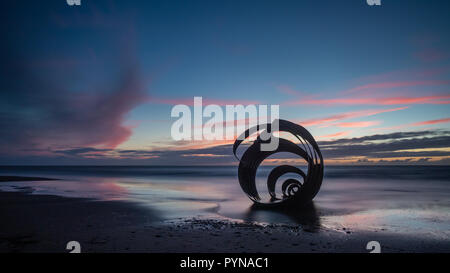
(46,223)
(25,178)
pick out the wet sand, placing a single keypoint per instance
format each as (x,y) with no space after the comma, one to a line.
(45,223)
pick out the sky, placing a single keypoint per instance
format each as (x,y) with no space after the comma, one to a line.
(95,83)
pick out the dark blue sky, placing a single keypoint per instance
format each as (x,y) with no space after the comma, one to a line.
(104,75)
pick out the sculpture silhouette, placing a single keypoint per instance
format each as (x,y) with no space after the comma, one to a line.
(295,193)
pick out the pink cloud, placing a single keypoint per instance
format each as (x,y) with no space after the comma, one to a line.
(338,134)
(438,99)
(443,102)
(357,124)
(428,122)
(348,115)
(415,100)
(415,124)
(378,93)
(203,155)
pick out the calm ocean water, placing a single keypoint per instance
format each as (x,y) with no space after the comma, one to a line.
(407,199)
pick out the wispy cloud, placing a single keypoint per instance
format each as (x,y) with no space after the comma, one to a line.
(347,115)
(428,122)
(415,124)
(406,147)
(357,124)
(380,92)
(335,135)
(391,100)
(203,155)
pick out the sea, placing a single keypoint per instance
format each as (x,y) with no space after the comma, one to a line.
(400,199)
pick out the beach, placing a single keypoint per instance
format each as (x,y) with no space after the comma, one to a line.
(106,216)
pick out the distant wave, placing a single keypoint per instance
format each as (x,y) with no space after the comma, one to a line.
(368,172)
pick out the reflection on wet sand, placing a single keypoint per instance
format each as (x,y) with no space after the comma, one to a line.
(306,216)
(353,197)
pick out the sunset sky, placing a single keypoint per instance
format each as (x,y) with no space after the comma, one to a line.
(95,84)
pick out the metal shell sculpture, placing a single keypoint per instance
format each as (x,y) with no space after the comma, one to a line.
(294,192)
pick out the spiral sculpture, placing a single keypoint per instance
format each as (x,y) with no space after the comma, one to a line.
(294,192)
